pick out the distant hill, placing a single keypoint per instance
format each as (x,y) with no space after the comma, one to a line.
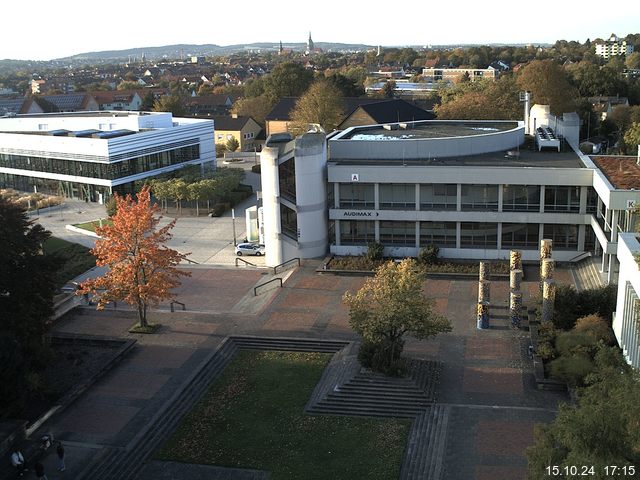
(186,50)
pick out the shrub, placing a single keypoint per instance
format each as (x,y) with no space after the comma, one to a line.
(383,357)
(546,351)
(375,251)
(571,305)
(218,209)
(111,206)
(572,369)
(574,342)
(428,255)
(595,326)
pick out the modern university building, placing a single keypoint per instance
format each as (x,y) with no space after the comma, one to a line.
(90,155)
(477,189)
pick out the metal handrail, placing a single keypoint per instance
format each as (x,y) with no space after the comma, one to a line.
(191,261)
(255,289)
(245,261)
(275,269)
(184,307)
(582,256)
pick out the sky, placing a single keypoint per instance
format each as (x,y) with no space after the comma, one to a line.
(45,30)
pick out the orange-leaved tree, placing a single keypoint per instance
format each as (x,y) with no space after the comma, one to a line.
(142,271)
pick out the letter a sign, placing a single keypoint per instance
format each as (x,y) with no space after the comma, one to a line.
(355,177)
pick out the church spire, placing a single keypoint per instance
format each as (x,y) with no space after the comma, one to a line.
(310,46)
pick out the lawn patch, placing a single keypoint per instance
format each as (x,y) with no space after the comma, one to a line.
(253,417)
(73,259)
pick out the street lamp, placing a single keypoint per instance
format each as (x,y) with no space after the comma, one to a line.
(233,223)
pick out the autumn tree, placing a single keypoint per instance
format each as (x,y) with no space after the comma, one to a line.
(321,104)
(481,100)
(232,144)
(142,271)
(255,107)
(548,83)
(388,306)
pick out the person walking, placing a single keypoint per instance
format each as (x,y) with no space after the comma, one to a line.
(17,460)
(39,468)
(60,451)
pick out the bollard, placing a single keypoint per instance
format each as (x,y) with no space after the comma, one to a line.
(485,270)
(548,299)
(515,260)
(515,280)
(515,308)
(484,291)
(483,315)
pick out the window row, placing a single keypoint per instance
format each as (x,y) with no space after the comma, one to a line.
(444,234)
(515,198)
(108,171)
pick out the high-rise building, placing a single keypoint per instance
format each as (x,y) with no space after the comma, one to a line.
(613,47)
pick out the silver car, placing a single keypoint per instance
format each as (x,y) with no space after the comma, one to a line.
(249,249)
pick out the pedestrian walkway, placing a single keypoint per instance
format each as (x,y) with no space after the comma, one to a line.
(486,397)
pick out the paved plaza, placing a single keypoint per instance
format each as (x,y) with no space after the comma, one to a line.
(486,380)
(486,383)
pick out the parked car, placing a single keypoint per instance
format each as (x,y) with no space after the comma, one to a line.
(249,249)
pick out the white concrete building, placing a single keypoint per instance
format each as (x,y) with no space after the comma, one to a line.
(90,155)
(625,321)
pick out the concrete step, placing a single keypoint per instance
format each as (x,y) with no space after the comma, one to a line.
(123,464)
(426,445)
(297,345)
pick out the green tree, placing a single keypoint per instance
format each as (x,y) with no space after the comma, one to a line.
(392,304)
(147,102)
(26,303)
(170,103)
(288,79)
(601,430)
(633,61)
(548,83)
(322,104)
(128,85)
(389,89)
(232,144)
(632,138)
(255,107)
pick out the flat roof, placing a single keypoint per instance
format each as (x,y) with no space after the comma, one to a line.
(622,171)
(427,129)
(524,157)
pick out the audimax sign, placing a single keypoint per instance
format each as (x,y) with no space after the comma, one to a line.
(359,213)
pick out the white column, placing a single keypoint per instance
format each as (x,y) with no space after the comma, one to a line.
(376,196)
(417,196)
(459,201)
(500,199)
(541,203)
(583,200)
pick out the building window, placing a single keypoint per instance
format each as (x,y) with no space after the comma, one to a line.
(357,196)
(438,196)
(399,196)
(354,232)
(480,197)
(521,198)
(565,237)
(561,199)
(220,136)
(442,234)
(287,178)
(520,235)
(398,233)
(478,235)
(289,222)
(592,200)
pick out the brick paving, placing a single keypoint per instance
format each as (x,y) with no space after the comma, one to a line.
(486,378)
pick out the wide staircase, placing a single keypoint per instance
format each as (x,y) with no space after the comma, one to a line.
(586,274)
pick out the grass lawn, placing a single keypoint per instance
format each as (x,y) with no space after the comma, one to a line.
(91,226)
(73,259)
(253,417)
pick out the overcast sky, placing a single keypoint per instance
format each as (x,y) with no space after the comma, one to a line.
(44,30)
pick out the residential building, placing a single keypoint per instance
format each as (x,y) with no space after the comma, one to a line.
(216,104)
(385,111)
(244,129)
(605,105)
(75,102)
(15,106)
(128,100)
(90,155)
(454,75)
(613,47)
